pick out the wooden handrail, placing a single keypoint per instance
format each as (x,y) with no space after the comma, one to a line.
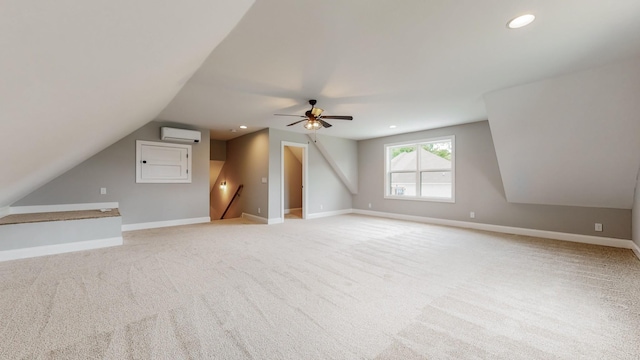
(231,201)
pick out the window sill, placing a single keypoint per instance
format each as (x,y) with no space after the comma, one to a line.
(415,198)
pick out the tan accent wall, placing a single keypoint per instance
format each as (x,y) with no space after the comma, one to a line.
(292,180)
(247,163)
(636,213)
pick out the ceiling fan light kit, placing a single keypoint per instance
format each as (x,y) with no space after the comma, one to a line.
(314,118)
(312,125)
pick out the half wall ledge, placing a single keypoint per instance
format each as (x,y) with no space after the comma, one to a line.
(27,232)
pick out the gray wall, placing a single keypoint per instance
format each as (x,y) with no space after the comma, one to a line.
(292,180)
(591,119)
(114,168)
(20,236)
(478,188)
(636,212)
(325,187)
(247,163)
(344,155)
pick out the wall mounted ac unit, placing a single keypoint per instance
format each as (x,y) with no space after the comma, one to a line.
(181,135)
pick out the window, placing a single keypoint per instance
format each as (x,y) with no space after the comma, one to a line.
(421,170)
(162,162)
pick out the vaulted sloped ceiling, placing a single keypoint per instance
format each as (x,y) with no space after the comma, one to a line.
(416,64)
(79,75)
(572,139)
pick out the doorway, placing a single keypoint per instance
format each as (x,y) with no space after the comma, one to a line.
(293,180)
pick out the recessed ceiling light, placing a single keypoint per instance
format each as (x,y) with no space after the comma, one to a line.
(520,21)
(392,127)
(243,126)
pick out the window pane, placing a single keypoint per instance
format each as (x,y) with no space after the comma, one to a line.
(403,184)
(436,184)
(435,155)
(402,158)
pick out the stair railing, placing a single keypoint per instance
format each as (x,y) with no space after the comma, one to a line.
(231,201)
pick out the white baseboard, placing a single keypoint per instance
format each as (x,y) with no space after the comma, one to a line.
(288,211)
(329,213)
(585,239)
(280,220)
(61,207)
(255,218)
(166,223)
(4,211)
(636,249)
(58,248)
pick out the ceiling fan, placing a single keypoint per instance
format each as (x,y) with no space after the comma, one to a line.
(314,118)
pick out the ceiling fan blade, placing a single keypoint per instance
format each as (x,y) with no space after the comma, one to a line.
(289,115)
(324,123)
(338,117)
(297,122)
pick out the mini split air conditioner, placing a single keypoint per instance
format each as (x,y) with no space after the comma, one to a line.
(181,135)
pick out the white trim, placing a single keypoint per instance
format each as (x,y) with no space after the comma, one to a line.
(4,211)
(59,248)
(255,218)
(262,220)
(636,249)
(288,211)
(330,213)
(61,207)
(414,198)
(184,179)
(418,171)
(305,176)
(585,239)
(166,223)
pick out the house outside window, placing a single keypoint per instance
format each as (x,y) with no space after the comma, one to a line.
(421,170)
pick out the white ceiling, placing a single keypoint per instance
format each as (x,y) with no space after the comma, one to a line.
(570,140)
(79,75)
(416,64)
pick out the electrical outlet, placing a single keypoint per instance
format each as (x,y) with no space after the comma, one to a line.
(321,207)
(258,210)
(472,214)
(103,191)
(598,227)
(369,205)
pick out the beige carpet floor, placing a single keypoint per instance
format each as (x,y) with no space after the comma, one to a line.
(345,287)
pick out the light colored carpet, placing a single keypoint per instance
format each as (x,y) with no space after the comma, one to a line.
(345,287)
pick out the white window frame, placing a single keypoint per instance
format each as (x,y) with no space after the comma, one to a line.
(417,197)
(141,180)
